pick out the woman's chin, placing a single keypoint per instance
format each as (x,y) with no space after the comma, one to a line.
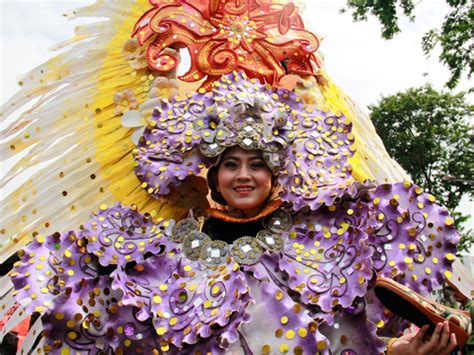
(249,209)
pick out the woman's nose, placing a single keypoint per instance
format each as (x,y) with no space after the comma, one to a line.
(243,173)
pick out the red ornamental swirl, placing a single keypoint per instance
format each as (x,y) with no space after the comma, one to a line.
(265,40)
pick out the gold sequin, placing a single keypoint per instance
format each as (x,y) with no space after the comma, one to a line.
(278,295)
(450,256)
(321,345)
(302,332)
(160,331)
(284,348)
(59,316)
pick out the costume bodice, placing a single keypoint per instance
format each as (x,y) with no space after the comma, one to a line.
(230,231)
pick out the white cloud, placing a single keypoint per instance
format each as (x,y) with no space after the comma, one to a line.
(367,66)
(28,30)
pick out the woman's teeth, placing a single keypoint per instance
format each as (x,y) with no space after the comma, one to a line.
(238,189)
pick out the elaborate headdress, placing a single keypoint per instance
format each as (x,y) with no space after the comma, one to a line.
(305,147)
(262,38)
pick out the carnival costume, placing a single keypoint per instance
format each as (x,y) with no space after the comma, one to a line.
(140,275)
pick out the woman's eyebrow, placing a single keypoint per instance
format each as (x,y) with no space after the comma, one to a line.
(230,157)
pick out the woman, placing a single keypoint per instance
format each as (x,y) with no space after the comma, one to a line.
(243,183)
(265,275)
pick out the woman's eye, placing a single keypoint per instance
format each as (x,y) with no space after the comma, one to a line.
(230,165)
(258,165)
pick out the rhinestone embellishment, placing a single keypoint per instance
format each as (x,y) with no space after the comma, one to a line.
(245,250)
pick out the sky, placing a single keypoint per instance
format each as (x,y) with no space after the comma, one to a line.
(360,62)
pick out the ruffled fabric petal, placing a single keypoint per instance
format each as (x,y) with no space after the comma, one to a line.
(279,323)
(140,282)
(120,234)
(352,333)
(327,257)
(88,317)
(48,266)
(318,171)
(190,307)
(415,238)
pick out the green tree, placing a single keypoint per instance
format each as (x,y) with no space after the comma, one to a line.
(428,134)
(455,35)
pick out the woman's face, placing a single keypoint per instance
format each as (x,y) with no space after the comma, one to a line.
(244,180)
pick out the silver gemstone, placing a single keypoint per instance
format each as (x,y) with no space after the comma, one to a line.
(248,142)
(270,240)
(246,248)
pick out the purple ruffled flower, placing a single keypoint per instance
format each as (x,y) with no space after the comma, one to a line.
(317,171)
(88,317)
(353,334)
(47,266)
(120,234)
(191,307)
(279,324)
(327,258)
(415,238)
(139,283)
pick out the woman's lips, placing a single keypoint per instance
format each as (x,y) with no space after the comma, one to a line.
(244,190)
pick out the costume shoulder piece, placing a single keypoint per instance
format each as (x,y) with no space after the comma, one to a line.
(133,139)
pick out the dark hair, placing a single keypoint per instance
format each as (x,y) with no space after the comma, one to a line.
(212,184)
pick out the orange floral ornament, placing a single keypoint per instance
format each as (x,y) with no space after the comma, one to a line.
(265,40)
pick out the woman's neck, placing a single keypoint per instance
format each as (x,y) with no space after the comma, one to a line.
(237,213)
(237,216)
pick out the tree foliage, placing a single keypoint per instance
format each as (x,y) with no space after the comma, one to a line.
(455,35)
(428,134)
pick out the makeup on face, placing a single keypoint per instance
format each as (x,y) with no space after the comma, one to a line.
(244,180)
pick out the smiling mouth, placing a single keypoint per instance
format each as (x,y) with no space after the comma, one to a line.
(244,189)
